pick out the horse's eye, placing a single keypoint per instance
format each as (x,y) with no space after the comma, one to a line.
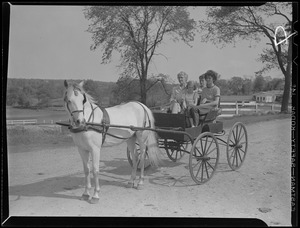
(76,93)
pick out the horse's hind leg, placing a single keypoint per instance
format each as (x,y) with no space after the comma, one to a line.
(85,161)
(142,158)
(131,147)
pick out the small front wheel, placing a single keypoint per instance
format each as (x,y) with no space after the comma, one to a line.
(237,145)
(175,150)
(138,152)
(204,158)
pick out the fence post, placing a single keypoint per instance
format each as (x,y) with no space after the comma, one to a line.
(256,110)
(236,108)
(272,107)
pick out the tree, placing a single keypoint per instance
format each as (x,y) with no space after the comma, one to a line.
(236,85)
(223,84)
(247,86)
(227,24)
(136,33)
(259,83)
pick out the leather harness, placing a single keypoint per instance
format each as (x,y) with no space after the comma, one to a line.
(105,122)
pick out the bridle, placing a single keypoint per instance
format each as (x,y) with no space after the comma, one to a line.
(75,111)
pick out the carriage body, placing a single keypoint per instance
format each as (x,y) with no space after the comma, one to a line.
(178,122)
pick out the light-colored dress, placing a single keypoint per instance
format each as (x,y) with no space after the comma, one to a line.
(191,98)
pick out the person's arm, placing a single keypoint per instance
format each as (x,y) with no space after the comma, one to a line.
(195,98)
(173,96)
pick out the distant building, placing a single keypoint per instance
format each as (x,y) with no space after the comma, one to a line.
(268,96)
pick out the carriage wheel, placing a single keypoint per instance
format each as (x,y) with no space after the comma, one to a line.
(204,158)
(147,162)
(237,145)
(177,152)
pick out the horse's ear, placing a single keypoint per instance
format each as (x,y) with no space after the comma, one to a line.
(66,83)
(81,84)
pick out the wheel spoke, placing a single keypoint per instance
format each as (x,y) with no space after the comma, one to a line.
(208,147)
(241,136)
(239,133)
(197,150)
(172,152)
(239,156)
(206,170)
(198,168)
(234,156)
(200,152)
(202,173)
(211,151)
(201,144)
(231,153)
(242,150)
(210,166)
(236,159)
(205,144)
(236,131)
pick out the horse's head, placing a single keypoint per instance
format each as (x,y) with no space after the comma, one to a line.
(74,100)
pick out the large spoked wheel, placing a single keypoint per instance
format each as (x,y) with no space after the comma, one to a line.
(204,158)
(237,145)
(175,150)
(147,162)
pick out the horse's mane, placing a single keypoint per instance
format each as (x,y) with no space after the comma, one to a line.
(88,96)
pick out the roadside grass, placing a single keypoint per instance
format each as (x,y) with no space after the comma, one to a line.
(55,135)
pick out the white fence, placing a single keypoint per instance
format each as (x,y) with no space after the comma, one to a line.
(251,107)
(234,108)
(16,122)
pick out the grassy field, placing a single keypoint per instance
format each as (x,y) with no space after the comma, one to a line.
(41,115)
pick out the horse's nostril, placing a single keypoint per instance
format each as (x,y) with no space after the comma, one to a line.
(78,121)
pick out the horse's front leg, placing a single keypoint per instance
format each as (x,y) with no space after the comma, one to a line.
(96,160)
(86,167)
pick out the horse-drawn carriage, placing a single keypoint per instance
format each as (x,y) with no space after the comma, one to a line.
(93,127)
(202,143)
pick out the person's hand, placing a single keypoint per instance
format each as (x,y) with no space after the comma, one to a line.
(179,100)
(203,101)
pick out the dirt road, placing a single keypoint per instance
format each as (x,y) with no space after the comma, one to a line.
(49,182)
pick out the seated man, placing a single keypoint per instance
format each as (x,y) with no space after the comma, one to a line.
(210,97)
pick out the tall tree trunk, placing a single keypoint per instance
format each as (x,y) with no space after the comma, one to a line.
(287,81)
(286,93)
(143,88)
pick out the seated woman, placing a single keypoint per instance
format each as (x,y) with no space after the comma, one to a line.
(178,92)
(190,100)
(210,97)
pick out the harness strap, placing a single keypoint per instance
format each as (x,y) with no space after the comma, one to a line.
(146,115)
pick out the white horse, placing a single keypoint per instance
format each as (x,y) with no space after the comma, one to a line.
(82,109)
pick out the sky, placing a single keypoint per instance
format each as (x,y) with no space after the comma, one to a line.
(51,42)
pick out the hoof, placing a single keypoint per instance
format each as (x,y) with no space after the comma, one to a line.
(94,200)
(130,185)
(85,197)
(140,187)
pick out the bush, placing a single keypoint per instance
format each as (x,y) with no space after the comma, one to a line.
(36,134)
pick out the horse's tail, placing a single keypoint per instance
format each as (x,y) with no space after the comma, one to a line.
(151,142)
